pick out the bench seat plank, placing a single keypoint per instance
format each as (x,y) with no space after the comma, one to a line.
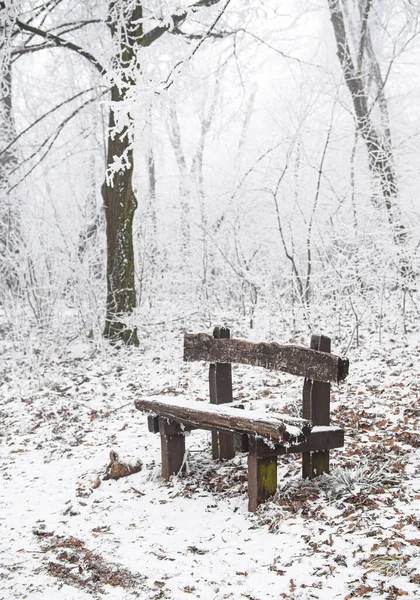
(277,427)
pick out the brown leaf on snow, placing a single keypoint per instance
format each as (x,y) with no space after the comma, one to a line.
(42,533)
(196,550)
(276,570)
(395,592)
(411,520)
(415,542)
(358,592)
(117,468)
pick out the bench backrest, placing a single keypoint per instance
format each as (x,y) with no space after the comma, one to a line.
(316,364)
(296,360)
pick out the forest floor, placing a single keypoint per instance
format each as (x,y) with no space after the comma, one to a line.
(66,533)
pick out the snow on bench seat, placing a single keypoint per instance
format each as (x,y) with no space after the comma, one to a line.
(277,427)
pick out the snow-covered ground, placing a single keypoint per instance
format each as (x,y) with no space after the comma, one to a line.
(67,534)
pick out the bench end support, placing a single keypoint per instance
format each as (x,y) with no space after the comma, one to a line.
(262,474)
(172,441)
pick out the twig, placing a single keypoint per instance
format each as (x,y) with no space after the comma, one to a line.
(110,412)
(49,112)
(169,80)
(49,142)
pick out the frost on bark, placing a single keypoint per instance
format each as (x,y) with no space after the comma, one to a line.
(360,68)
(117,191)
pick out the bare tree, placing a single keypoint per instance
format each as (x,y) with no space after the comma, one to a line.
(125,22)
(364,80)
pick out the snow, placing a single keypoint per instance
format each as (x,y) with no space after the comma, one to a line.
(275,419)
(321,428)
(352,534)
(258,208)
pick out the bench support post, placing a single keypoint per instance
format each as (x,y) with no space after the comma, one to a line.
(220,379)
(316,407)
(262,473)
(172,440)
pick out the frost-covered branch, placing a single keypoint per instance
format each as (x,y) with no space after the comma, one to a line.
(62,43)
(175,21)
(42,117)
(48,143)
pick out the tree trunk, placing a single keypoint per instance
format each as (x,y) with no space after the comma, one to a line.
(117,191)
(120,205)
(125,21)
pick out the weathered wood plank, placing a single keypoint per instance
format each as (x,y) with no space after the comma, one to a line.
(153,426)
(220,380)
(153,423)
(168,427)
(320,463)
(279,428)
(262,478)
(316,408)
(320,439)
(296,360)
(172,449)
(320,407)
(306,414)
(241,439)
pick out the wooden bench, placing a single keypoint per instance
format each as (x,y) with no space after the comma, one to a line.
(265,435)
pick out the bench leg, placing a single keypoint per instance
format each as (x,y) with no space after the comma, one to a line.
(220,381)
(172,448)
(223,445)
(316,408)
(262,474)
(315,464)
(320,462)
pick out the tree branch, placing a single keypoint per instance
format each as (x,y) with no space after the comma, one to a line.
(198,36)
(60,42)
(75,24)
(49,142)
(363,33)
(26,49)
(42,117)
(154,34)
